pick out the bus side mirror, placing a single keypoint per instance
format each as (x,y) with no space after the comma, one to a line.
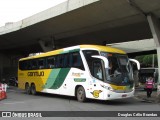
(137,63)
(105,60)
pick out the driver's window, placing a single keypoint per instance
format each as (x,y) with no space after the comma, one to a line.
(97,70)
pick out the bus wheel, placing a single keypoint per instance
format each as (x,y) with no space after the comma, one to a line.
(33,89)
(80,94)
(27,89)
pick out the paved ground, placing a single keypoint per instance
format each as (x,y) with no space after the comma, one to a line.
(19,101)
(142,95)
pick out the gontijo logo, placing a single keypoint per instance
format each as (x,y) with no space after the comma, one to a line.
(41,73)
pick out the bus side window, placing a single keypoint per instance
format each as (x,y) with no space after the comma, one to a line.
(34,64)
(51,62)
(41,63)
(75,57)
(28,65)
(22,65)
(60,61)
(57,61)
(76,60)
(66,60)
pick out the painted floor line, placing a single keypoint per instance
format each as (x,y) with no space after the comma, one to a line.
(11,90)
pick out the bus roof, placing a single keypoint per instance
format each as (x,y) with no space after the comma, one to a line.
(76,48)
(103,48)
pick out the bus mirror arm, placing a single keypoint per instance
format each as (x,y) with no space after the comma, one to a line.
(137,62)
(105,60)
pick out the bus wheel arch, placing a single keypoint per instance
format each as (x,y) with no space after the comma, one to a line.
(27,88)
(80,93)
(33,89)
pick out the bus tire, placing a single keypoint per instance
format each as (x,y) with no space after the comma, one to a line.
(33,89)
(27,89)
(80,94)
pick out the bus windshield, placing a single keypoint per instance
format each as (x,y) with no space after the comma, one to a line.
(120,71)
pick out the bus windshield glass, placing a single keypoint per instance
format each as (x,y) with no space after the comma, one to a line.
(120,71)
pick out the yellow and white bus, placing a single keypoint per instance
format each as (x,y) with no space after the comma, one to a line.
(84,71)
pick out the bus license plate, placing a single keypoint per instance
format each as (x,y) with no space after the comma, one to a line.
(124,95)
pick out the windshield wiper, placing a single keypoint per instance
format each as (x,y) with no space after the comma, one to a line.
(115,74)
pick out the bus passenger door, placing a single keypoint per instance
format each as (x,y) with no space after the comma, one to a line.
(97,80)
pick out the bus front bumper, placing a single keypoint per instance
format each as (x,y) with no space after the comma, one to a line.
(114,95)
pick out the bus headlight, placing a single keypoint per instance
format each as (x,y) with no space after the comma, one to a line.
(108,88)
